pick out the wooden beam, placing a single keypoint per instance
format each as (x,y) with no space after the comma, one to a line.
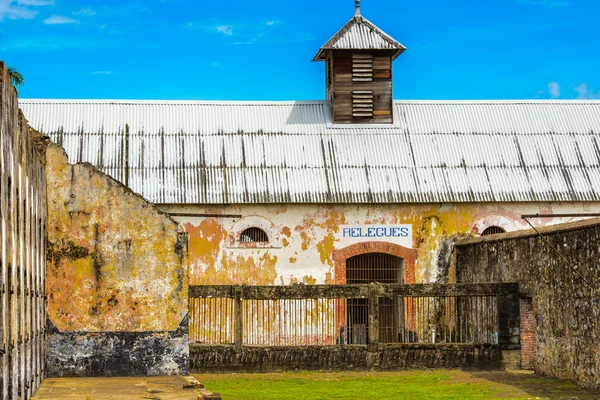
(353,291)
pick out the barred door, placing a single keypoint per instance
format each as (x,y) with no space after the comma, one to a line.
(369,268)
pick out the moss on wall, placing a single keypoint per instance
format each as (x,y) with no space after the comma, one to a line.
(562,277)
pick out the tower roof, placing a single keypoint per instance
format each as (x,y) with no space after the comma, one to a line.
(360,34)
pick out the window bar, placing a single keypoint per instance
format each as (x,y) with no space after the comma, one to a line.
(210,320)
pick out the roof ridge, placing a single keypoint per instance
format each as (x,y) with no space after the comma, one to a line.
(307,102)
(175,102)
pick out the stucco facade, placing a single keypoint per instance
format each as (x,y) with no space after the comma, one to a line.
(303,239)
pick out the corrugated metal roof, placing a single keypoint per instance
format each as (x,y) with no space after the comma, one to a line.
(289,152)
(360,34)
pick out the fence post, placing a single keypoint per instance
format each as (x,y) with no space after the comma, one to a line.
(238,313)
(373,342)
(373,318)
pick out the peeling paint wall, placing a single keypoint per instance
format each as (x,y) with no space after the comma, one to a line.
(116,277)
(309,233)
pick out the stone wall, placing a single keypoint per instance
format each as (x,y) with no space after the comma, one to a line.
(224,358)
(116,279)
(22,250)
(562,279)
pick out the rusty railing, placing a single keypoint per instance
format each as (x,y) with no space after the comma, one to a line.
(300,315)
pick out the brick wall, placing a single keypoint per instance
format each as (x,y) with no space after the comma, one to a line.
(341,255)
(527,333)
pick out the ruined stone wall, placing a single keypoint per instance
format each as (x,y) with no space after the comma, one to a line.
(303,237)
(563,285)
(117,278)
(22,251)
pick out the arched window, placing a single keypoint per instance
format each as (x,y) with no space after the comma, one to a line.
(254,232)
(374,267)
(492,230)
(254,235)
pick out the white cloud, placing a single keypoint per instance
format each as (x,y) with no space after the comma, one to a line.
(86,11)
(59,20)
(585,92)
(271,23)
(12,11)
(554,90)
(20,9)
(35,2)
(106,73)
(262,39)
(547,3)
(225,29)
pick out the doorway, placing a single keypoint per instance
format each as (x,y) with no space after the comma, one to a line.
(368,268)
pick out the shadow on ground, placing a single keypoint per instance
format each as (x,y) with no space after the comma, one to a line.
(537,386)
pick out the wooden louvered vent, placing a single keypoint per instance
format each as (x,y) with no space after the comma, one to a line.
(362,67)
(362,103)
(362,71)
(359,86)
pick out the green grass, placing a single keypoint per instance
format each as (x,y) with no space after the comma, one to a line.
(438,384)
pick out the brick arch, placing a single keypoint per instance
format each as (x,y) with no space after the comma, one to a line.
(341,255)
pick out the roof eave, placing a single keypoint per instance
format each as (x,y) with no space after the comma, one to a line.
(399,51)
(321,55)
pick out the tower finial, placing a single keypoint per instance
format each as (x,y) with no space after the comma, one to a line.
(357,12)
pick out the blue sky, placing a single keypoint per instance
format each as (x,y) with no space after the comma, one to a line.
(262,50)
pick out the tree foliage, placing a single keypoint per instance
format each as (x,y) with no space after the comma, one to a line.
(16,77)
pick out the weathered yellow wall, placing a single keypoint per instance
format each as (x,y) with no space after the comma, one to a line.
(307,235)
(114,261)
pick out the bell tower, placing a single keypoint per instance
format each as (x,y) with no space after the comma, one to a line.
(358,63)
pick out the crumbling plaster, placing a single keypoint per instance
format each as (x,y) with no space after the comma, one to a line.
(310,233)
(114,261)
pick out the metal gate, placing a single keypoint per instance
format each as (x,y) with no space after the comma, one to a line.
(369,268)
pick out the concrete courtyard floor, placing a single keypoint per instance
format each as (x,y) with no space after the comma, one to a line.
(147,388)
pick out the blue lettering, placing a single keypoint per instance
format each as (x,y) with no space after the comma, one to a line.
(376,231)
